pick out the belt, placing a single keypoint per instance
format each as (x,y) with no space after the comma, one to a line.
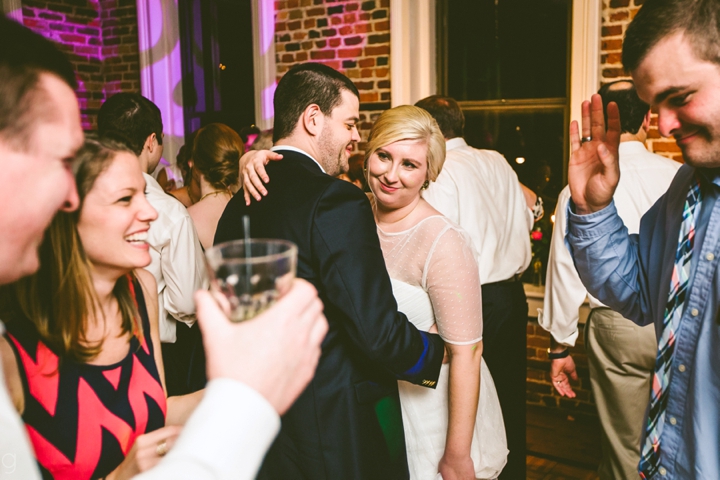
(514,279)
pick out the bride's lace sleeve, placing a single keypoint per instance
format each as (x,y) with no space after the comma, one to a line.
(451,278)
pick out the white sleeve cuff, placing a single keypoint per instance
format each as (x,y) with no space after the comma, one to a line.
(226,437)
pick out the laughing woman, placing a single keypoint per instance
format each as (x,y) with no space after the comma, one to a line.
(81,354)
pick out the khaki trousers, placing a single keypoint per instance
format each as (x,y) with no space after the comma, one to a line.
(621,357)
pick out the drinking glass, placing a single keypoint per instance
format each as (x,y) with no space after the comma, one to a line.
(252,274)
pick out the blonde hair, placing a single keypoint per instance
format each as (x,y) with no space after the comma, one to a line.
(60,297)
(408,122)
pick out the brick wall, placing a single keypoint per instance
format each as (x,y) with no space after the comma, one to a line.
(616,16)
(540,390)
(351,36)
(100,38)
(120,46)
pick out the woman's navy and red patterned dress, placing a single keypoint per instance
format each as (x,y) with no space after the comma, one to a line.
(83,419)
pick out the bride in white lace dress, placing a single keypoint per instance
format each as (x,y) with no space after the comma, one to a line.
(455,431)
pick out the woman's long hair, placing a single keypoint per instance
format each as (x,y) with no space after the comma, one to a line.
(60,297)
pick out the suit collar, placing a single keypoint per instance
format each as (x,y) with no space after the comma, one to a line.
(298,150)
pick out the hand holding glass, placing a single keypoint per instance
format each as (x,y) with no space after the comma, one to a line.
(252,274)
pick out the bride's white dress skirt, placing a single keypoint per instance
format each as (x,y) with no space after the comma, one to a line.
(425,411)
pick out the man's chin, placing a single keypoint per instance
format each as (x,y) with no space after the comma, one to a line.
(701,157)
(15,269)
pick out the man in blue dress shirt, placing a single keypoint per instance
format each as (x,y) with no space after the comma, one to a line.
(672,50)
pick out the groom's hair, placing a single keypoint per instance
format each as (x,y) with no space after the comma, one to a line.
(304,85)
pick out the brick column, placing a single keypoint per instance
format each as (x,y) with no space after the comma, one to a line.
(99,37)
(352,37)
(616,16)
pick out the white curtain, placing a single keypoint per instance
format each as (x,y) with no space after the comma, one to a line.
(13,9)
(263,24)
(413,42)
(160,68)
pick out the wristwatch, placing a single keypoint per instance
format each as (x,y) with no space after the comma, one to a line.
(555,356)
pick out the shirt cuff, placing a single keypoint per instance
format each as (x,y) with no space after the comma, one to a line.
(567,340)
(594,224)
(229,432)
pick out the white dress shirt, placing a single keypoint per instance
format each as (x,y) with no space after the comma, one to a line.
(644,177)
(226,437)
(478,190)
(17,459)
(298,150)
(177,260)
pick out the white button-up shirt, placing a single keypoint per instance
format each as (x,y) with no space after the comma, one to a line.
(298,150)
(177,260)
(226,437)
(644,177)
(479,190)
(17,459)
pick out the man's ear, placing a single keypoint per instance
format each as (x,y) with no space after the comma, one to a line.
(150,143)
(646,121)
(313,119)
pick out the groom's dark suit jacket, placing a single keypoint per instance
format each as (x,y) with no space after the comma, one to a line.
(347,423)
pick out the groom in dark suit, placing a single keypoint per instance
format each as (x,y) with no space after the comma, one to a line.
(347,424)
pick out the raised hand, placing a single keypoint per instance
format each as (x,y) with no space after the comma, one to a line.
(594,172)
(252,168)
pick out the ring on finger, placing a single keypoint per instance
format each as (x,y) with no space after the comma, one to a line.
(161,448)
(585,139)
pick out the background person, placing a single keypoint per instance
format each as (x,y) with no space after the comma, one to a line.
(621,355)
(216,155)
(665,275)
(189,193)
(356,172)
(264,141)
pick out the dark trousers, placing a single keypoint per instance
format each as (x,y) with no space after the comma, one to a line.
(505,313)
(184,361)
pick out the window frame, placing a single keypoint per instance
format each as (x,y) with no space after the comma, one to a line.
(583,44)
